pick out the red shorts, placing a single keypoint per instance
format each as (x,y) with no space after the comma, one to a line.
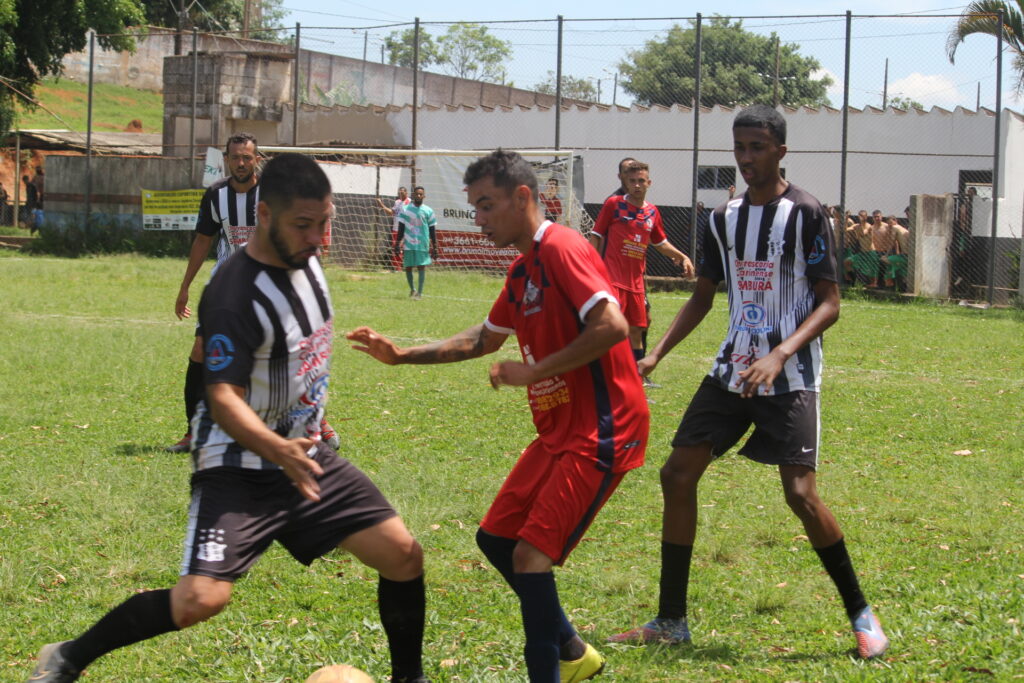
(633,306)
(549,500)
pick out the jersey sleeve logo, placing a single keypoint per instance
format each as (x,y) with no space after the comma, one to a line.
(817,251)
(219,352)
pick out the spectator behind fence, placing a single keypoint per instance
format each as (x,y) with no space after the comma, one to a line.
(861,261)
(959,275)
(894,263)
(884,239)
(32,210)
(5,216)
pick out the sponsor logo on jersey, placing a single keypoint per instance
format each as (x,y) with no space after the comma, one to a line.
(219,352)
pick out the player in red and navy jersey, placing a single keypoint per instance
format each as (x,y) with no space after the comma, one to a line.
(260,472)
(626,225)
(585,394)
(773,246)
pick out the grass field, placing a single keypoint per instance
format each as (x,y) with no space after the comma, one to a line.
(113,107)
(923,464)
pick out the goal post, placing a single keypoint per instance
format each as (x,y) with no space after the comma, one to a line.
(363,233)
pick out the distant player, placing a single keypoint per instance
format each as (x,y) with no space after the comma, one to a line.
(550,201)
(773,246)
(228,211)
(417,239)
(260,472)
(584,391)
(625,226)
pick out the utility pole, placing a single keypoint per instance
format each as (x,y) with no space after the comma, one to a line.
(885,85)
(181,27)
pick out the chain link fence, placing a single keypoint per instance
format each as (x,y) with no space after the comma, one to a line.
(904,145)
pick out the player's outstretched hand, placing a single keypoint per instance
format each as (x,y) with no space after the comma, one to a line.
(761,374)
(181,308)
(300,468)
(377,345)
(646,365)
(512,373)
(687,265)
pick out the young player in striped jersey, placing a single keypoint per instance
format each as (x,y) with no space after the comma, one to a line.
(227,211)
(585,394)
(773,246)
(260,472)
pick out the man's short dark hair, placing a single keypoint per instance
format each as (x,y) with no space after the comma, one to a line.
(241,139)
(292,176)
(623,161)
(420,187)
(762,116)
(507,170)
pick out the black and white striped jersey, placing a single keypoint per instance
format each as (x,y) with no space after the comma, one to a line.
(770,256)
(269,330)
(229,213)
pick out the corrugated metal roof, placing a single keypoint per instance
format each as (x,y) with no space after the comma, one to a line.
(105,142)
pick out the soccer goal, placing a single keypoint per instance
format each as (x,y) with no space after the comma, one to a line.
(362,233)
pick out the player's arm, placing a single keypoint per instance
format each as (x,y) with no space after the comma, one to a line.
(686,320)
(766,369)
(399,237)
(229,410)
(386,209)
(196,255)
(679,258)
(473,342)
(601,225)
(604,328)
(433,240)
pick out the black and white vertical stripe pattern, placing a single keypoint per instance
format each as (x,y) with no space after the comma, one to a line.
(766,253)
(236,212)
(291,365)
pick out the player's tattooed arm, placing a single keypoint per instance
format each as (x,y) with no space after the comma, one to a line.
(474,342)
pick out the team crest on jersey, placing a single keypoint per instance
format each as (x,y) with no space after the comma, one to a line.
(753,314)
(775,245)
(533,298)
(219,352)
(817,251)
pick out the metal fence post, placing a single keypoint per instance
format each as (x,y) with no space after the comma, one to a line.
(996,158)
(295,88)
(88,132)
(845,143)
(558,87)
(696,139)
(192,125)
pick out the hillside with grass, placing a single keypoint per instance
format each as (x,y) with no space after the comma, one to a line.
(65,104)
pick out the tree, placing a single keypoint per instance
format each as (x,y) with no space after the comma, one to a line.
(218,15)
(982,17)
(738,69)
(901,102)
(572,87)
(35,37)
(469,51)
(399,45)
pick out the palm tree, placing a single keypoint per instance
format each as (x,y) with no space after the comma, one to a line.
(982,17)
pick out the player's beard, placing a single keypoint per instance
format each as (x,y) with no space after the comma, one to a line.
(297,260)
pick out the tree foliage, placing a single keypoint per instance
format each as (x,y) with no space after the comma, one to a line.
(35,36)
(572,87)
(465,51)
(983,17)
(901,102)
(219,15)
(738,68)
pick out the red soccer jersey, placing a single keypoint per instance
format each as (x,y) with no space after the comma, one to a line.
(597,410)
(627,230)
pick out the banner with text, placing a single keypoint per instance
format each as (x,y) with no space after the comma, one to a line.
(170,209)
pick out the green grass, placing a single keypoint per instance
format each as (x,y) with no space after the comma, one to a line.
(922,464)
(113,107)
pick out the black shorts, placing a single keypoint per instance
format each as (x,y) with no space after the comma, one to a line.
(786,427)
(237,513)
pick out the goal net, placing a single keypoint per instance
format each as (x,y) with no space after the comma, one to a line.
(363,233)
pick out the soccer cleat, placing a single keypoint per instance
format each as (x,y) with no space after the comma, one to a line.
(183,446)
(657,630)
(51,667)
(871,639)
(586,667)
(329,436)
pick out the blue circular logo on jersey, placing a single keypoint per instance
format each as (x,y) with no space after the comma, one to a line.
(753,314)
(817,251)
(219,350)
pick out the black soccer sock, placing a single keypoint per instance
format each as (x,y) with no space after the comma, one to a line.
(402,606)
(643,342)
(839,566)
(638,355)
(538,602)
(498,551)
(675,579)
(194,389)
(140,617)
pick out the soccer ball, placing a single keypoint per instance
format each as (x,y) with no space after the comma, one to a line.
(339,673)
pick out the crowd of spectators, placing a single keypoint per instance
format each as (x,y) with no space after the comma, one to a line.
(874,248)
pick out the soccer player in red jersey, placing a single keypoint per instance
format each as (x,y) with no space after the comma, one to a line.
(627,224)
(584,391)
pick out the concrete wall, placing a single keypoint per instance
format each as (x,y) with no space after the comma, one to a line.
(117,183)
(933,230)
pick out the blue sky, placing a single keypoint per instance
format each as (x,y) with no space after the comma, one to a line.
(914,44)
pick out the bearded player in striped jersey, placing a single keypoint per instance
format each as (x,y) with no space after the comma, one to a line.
(773,246)
(227,210)
(260,470)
